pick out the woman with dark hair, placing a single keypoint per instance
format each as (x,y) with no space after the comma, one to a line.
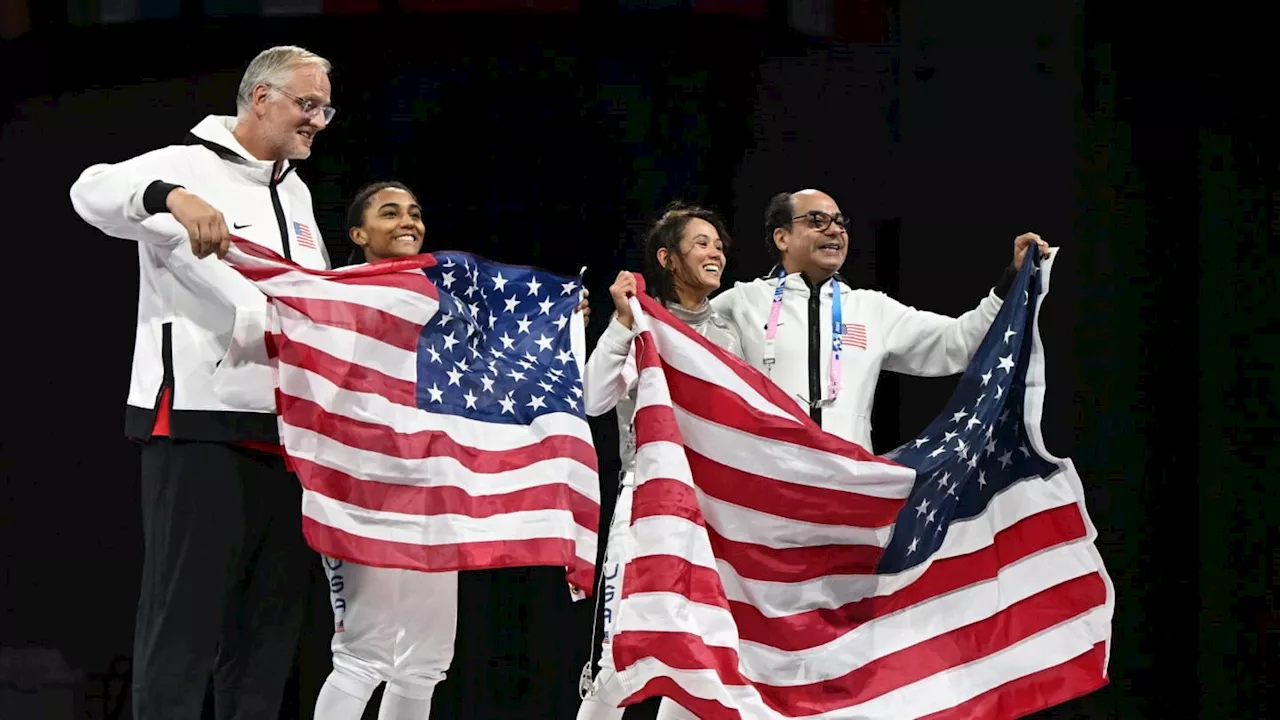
(390,625)
(684,259)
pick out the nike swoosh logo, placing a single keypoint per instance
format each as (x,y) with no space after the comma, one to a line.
(238,226)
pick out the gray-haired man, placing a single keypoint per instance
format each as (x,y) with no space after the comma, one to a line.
(225,567)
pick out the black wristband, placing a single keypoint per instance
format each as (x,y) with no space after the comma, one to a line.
(154,197)
(1005,284)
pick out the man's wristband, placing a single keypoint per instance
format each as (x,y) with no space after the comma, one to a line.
(155,196)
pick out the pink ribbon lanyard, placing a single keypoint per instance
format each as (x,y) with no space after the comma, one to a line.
(837,329)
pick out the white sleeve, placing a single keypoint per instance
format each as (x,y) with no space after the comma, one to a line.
(927,344)
(111,197)
(611,369)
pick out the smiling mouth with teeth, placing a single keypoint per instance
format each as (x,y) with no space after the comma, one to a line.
(711,268)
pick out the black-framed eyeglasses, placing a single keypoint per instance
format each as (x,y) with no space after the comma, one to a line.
(820,221)
(310,107)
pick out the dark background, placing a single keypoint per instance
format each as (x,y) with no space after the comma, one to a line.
(1143,145)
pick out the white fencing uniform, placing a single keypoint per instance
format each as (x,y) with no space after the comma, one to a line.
(609,383)
(393,626)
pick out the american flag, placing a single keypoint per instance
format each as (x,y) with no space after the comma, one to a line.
(853,335)
(781,572)
(303,233)
(431,407)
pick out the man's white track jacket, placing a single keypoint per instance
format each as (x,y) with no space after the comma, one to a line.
(201,325)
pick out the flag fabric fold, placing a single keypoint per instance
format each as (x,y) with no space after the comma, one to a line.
(432,409)
(780,572)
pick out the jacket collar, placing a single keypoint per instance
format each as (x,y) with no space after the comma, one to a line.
(773,275)
(215,132)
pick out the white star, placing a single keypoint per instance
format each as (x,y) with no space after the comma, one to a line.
(499,282)
(535,402)
(437,395)
(524,324)
(531,357)
(1005,459)
(516,375)
(475,352)
(495,352)
(511,304)
(973,461)
(507,342)
(572,403)
(435,355)
(1009,333)
(471,290)
(445,318)
(947,438)
(460,365)
(922,508)
(455,377)
(567,288)
(546,307)
(982,479)
(544,342)
(577,390)
(492,320)
(952,490)
(922,441)
(563,357)
(981,397)
(985,378)
(555,373)
(929,519)
(912,547)
(958,416)
(999,392)
(543,384)
(448,279)
(972,421)
(962,449)
(525,364)
(471,399)
(937,452)
(474,308)
(1025,451)
(488,383)
(534,286)
(493,366)
(1006,362)
(561,321)
(989,429)
(991,444)
(449,342)
(942,481)
(448,262)
(508,405)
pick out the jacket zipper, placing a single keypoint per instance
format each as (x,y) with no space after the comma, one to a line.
(280,221)
(815,347)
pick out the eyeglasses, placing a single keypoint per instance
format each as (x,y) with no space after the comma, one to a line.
(821,221)
(310,107)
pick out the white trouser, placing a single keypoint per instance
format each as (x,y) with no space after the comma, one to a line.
(393,626)
(606,689)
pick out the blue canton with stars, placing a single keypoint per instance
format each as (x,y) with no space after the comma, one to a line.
(978,446)
(498,349)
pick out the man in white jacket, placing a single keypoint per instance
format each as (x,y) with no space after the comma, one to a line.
(225,566)
(790,320)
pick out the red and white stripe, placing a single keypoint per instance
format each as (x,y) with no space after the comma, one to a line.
(388,484)
(753,592)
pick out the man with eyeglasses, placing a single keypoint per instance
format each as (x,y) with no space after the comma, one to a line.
(825,343)
(225,569)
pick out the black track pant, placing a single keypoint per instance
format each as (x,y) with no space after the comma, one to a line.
(224,577)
